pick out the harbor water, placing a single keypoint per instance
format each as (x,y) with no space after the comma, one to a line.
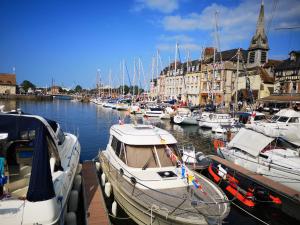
(92,122)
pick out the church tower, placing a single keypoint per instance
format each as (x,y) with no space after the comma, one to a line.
(259,47)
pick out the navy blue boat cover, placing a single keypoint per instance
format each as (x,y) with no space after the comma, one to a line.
(40,185)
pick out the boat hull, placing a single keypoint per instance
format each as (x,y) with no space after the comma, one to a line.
(125,197)
(185,120)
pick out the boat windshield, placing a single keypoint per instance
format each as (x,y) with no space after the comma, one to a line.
(274,118)
(283,119)
(260,117)
(150,156)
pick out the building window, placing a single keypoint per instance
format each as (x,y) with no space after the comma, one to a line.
(251,57)
(263,58)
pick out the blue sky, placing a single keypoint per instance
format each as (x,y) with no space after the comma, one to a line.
(68,40)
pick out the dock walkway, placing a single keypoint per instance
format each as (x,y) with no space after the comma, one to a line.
(96,211)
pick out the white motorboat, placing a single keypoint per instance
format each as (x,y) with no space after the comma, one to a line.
(110,104)
(123,104)
(215,120)
(187,118)
(222,129)
(143,170)
(154,112)
(285,124)
(250,117)
(271,157)
(168,112)
(135,109)
(38,163)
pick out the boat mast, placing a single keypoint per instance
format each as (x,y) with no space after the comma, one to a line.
(176,48)
(236,79)
(97,82)
(139,77)
(123,69)
(133,89)
(109,83)
(213,77)
(157,55)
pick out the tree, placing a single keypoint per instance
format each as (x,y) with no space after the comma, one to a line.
(78,88)
(27,84)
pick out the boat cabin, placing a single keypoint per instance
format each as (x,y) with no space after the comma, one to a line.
(219,116)
(27,145)
(286,116)
(250,117)
(143,146)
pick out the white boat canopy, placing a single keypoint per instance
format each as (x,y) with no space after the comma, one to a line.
(141,135)
(250,141)
(288,113)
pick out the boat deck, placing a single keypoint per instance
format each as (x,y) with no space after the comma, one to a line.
(96,211)
(275,186)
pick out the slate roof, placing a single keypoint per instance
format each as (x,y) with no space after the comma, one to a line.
(264,75)
(289,64)
(272,62)
(7,79)
(229,55)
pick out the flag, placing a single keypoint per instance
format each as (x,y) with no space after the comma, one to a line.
(121,122)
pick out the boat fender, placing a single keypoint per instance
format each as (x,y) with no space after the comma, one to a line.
(77,183)
(73,201)
(133,180)
(79,168)
(107,189)
(97,164)
(114,207)
(103,179)
(71,219)
(221,171)
(212,173)
(240,197)
(275,200)
(52,164)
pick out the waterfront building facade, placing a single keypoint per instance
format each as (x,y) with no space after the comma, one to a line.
(287,75)
(226,76)
(192,82)
(7,83)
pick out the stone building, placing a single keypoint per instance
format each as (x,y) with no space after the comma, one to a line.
(192,82)
(258,70)
(259,46)
(214,78)
(287,75)
(7,83)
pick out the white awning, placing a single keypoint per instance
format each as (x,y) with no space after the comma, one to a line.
(250,141)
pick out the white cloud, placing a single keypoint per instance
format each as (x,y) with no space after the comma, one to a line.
(236,23)
(176,38)
(164,6)
(186,44)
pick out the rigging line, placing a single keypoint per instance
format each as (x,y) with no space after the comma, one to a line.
(250,214)
(275,3)
(127,74)
(217,35)
(155,190)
